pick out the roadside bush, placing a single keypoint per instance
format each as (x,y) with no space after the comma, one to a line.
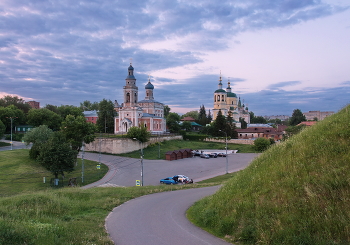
(15,137)
(261,144)
(198,137)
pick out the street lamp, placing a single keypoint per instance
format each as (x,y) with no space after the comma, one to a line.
(226,151)
(11,118)
(141,161)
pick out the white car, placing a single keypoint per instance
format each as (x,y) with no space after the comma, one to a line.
(183,178)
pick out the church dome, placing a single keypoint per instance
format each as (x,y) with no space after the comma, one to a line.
(130,67)
(149,85)
(220,91)
(229,94)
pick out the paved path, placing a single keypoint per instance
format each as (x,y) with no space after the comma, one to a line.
(159,219)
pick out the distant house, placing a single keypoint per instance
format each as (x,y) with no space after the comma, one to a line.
(320,115)
(34,104)
(307,123)
(262,131)
(91,116)
(188,119)
(23,128)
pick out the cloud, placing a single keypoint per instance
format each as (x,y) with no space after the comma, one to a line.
(65,52)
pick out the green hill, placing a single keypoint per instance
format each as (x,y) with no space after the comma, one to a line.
(297,192)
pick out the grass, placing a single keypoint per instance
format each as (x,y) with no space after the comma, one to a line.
(20,174)
(32,212)
(296,192)
(156,151)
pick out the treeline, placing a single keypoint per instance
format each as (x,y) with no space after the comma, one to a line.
(15,111)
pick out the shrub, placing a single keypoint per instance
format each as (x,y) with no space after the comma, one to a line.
(261,144)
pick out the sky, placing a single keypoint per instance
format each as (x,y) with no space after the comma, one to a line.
(279,55)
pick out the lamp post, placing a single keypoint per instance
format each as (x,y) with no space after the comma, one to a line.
(141,161)
(226,151)
(11,118)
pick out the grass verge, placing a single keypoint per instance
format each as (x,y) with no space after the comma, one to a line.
(296,192)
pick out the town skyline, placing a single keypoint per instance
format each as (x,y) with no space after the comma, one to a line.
(277,56)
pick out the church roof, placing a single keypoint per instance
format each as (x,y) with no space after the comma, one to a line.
(229,94)
(150,115)
(130,67)
(220,91)
(149,101)
(149,85)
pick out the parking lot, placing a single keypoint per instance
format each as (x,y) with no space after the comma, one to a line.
(125,171)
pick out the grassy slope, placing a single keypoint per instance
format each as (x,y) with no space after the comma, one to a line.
(297,192)
(20,174)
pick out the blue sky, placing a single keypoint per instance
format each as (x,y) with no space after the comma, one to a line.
(279,55)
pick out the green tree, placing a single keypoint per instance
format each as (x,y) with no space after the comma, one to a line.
(186,125)
(14,100)
(11,111)
(209,117)
(261,144)
(65,110)
(57,156)
(2,129)
(202,117)
(53,108)
(166,111)
(77,130)
(244,124)
(193,114)
(37,117)
(297,117)
(106,114)
(293,130)
(231,126)
(219,124)
(88,106)
(38,136)
(172,122)
(139,133)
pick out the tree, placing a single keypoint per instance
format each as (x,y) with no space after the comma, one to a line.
(14,100)
(186,125)
(65,110)
(297,117)
(37,117)
(2,129)
(106,114)
(193,114)
(209,117)
(57,156)
(172,122)
(88,106)
(166,111)
(139,133)
(293,130)
(231,126)
(77,130)
(202,117)
(219,124)
(261,144)
(243,123)
(38,136)
(53,108)
(11,111)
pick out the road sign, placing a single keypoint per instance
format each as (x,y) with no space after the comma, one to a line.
(138,183)
(98,166)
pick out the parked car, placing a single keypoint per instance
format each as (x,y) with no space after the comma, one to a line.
(221,155)
(168,181)
(205,156)
(213,155)
(196,153)
(182,179)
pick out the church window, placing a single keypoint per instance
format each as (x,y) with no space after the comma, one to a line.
(127,97)
(214,98)
(218,98)
(145,125)
(222,98)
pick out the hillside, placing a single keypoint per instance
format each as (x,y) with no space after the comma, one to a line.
(296,192)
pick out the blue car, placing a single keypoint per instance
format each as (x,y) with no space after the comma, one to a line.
(168,181)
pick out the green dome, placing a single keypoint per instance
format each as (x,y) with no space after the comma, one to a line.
(220,91)
(229,94)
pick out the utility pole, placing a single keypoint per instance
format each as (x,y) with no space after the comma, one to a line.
(226,151)
(11,118)
(141,161)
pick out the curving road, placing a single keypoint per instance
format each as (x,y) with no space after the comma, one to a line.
(159,219)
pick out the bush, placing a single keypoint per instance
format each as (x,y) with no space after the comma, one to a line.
(198,137)
(261,144)
(15,137)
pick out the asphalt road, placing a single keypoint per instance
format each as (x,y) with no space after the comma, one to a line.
(159,219)
(125,171)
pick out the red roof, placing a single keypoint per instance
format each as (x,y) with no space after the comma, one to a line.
(190,119)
